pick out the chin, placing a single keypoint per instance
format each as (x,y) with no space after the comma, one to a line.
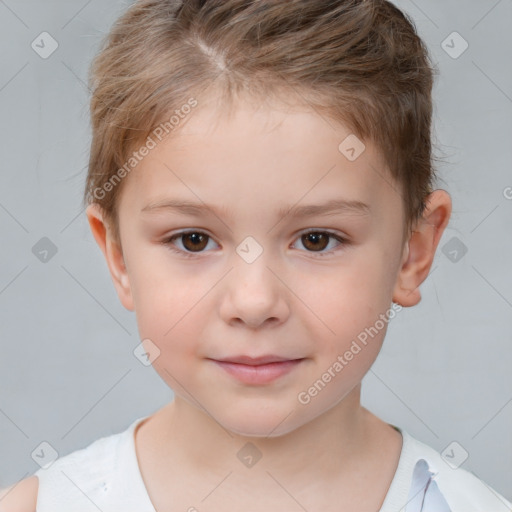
(260,424)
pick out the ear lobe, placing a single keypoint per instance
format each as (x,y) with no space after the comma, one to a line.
(112,251)
(421,248)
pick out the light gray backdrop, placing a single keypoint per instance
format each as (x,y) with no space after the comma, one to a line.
(67,372)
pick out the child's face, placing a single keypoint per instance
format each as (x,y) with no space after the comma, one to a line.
(302,298)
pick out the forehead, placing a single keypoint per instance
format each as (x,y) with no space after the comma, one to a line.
(253,158)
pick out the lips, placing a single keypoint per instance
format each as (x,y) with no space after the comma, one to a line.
(257,371)
(256,361)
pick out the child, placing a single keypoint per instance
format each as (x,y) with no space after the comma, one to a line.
(229,138)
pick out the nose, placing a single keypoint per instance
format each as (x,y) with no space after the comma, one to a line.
(254,295)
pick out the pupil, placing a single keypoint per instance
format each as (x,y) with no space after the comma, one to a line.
(196,239)
(313,239)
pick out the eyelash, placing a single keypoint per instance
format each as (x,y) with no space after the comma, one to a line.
(187,254)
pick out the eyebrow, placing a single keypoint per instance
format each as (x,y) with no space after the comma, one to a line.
(332,207)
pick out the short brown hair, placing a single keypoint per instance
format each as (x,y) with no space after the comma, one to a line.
(360,62)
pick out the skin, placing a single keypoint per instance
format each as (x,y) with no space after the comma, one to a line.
(289,301)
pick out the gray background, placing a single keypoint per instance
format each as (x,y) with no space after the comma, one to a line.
(67,372)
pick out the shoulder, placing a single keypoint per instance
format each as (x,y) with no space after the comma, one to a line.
(90,478)
(462,490)
(20,497)
(79,472)
(84,466)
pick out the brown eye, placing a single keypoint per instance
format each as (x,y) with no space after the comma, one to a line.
(194,241)
(315,240)
(191,242)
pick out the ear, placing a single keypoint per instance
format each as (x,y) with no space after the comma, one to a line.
(421,247)
(113,254)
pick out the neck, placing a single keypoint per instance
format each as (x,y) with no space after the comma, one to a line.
(331,444)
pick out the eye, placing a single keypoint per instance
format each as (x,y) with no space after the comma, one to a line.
(317,241)
(192,242)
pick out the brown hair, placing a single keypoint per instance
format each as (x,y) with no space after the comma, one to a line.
(360,62)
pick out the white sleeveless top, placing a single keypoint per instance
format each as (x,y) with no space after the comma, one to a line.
(105,476)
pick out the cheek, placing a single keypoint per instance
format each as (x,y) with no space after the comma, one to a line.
(351,302)
(168,317)
(172,310)
(351,295)
(163,294)
(176,336)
